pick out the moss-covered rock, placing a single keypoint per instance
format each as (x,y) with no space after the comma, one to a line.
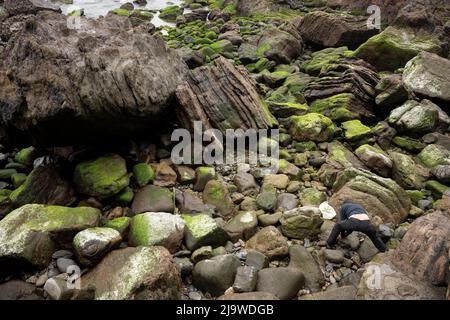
(202,230)
(385,198)
(143,174)
(356,133)
(267,198)
(323,58)
(203,175)
(18,179)
(428,75)
(92,244)
(408,144)
(125,197)
(44,185)
(415,118)
(338,108)
(143,273)
(33,232)
(102,177)
(312,197)
(26,156)
(434,155)
(120,224)
(157,229)
(311,127)
(170,13)
(301,223)
(415,196)
(153,199)
(406,172)
(375,159)
(436,188)
(394,47)
(305,146)
(217,195)
(121,12)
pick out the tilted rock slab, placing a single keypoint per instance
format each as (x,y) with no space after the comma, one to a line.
(380,196)
(223,97)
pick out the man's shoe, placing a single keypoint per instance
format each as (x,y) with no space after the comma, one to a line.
(330,247)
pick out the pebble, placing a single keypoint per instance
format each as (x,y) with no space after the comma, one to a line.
(194,295)
(64,263)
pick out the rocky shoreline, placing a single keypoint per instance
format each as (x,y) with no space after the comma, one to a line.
(92,206)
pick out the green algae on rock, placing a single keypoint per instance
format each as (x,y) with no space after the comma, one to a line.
(312,127)
(202,230)
(143,174)
(102,177)
(33,232)
(157,229)
(394,47)
(142,273)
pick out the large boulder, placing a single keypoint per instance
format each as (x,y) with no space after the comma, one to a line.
(381,197)
(423,252)
(102,177)
(394,47)
(335,30)
(31,233)
(110,81)
(143,273)
(157,229)
(428,75)
(206,96)
(44,185)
